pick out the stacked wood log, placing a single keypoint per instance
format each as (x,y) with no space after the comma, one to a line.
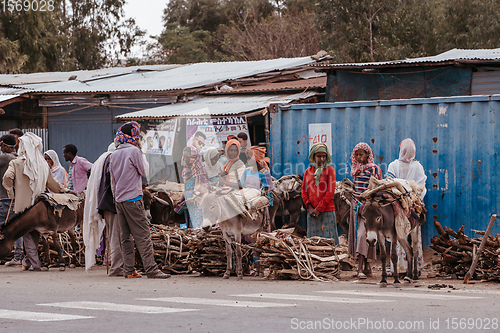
(184,251)
(68,251)
(458,251)
(286,256)
(281,254)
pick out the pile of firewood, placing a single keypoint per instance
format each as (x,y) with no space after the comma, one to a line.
(283,255)
(184,251)
(458,252)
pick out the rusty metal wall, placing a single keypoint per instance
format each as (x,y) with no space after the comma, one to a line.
(397,83)
(457,142)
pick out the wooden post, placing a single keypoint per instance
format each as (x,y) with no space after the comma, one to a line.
(469,274)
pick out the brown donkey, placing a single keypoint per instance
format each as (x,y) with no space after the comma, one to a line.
(42,218)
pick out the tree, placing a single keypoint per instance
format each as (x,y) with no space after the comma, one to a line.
(273,37)
(237,29)
(470,24)
(11,60)
(38,37)
(70,35)
(181,46)
(376,30)
(98,34)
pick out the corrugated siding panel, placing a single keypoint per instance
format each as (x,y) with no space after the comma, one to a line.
(486,83)
(41,132)
(457,143)
(91,129)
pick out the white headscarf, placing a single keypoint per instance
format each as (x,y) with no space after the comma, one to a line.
(53,156)
(407,150)
(215,169)
(35,166)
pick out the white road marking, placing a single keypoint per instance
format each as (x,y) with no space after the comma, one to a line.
(399,294)
(38,316)
(296,297)
(221,302)
(115,307)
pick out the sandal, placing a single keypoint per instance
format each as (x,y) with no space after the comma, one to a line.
(133,275)
(361,276)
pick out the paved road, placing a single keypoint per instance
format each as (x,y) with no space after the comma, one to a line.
(77,301)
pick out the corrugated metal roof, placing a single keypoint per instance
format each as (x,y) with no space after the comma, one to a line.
(220,105)
(184,77)
(50,77)
(7,97)
(319,82)
(451,56)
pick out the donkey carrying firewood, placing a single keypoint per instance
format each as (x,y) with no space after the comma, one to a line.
(383,221)
(234,221)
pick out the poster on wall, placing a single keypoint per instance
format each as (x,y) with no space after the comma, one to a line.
(320,132)
(159,139)
(216,129)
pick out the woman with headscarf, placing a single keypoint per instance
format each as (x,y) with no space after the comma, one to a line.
(57,169)
(195,176)
(27,177)
(257,175)
(318,188)
(363,167)
(234,167)
(212,165)
(407,167)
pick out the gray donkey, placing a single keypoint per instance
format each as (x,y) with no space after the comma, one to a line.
(235,224)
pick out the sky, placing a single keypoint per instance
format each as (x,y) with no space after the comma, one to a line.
(147,14)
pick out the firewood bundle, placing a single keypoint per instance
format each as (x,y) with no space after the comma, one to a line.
(68,251)
(458,251)
(184,251)
(285,256)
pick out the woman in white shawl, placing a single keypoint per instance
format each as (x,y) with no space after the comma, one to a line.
(57,169)
(212,165)
(407,167)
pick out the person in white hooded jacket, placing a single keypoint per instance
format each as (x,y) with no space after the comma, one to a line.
(407,167)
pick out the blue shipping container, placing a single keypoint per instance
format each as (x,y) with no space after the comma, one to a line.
(456,138)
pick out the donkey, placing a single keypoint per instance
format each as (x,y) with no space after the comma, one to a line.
(380,223)
(41,217)
(289,188)
(235,226)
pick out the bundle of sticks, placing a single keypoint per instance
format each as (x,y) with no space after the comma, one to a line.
(281,254)
(184,251)
(458,251)
(407,192)
(286,256)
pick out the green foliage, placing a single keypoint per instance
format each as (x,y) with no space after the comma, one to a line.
(74,35)
(182,46)
(471,24)
(11,60)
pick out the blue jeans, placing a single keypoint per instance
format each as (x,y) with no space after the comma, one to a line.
(4,209)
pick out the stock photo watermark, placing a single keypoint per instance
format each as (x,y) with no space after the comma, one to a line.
(367,324)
